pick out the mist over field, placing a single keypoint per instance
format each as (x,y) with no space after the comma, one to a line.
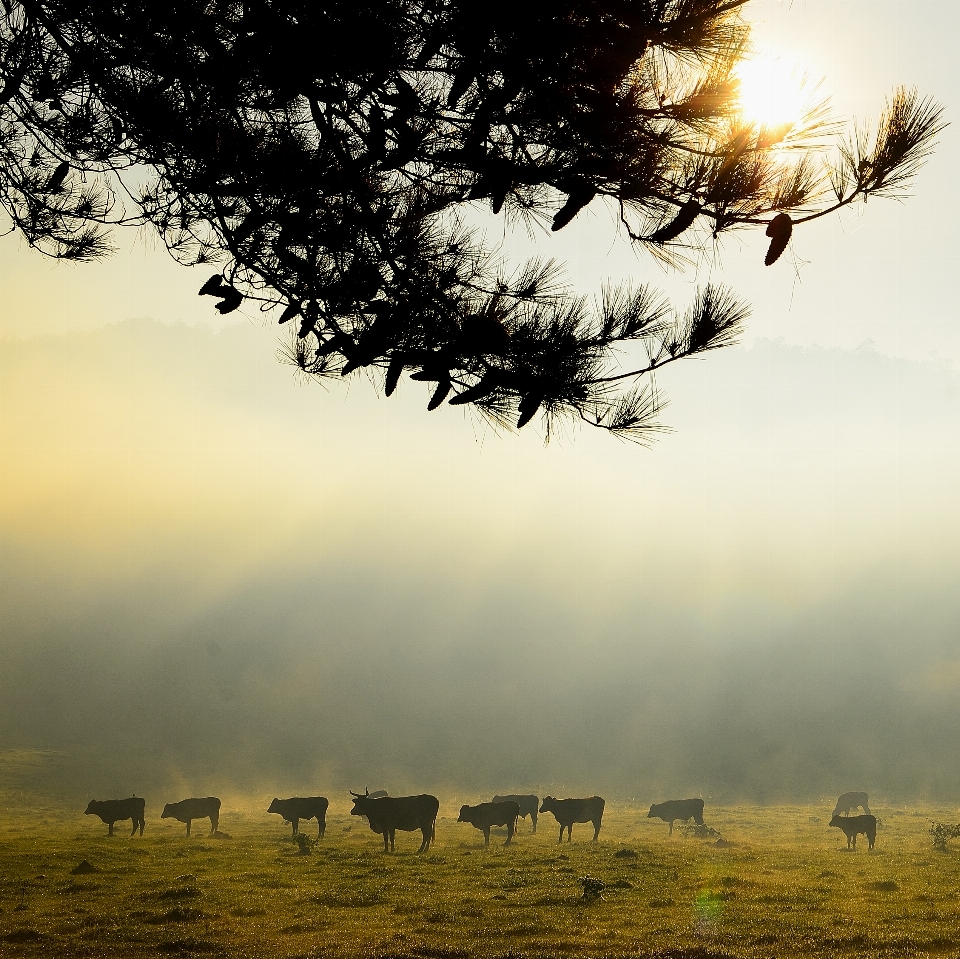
(214,578)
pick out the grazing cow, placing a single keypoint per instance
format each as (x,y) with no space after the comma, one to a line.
(850,801)
(297,808)
(529,806)
(852,826)
(569,811)
(115,810)
(390,813)
(674,809)
(487,814)
(189,809)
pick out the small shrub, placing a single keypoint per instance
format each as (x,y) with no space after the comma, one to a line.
(698,831)
(178,914)
(942,832)
(304,844)
(180,892)
(592,888)
(23,935)
(886,885)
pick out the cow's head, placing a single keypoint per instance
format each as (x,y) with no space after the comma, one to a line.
(464,810)
(275,806)
(653,811)
(91,809)
(548,801)
(837,820)
(166,814)
(361,802)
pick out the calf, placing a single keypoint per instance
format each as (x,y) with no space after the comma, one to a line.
(852,826)
(297,808)
(115,810)
(674,809)
(189,809)
(489,814)
(569,811)
(529,806)
(850,801)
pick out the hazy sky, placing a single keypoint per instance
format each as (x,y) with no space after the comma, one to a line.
(216,577)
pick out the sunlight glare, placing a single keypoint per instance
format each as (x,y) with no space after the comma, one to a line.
(771,91)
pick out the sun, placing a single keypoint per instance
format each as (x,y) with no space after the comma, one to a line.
(772,92)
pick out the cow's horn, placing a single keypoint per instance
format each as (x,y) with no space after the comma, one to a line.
(352,793)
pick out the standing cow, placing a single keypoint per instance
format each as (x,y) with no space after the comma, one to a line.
(850,801)
(116,810)
(852,826)
(297,808)
(529,806)
(189,809)
(390,813)
(674,809)
(569,811)
(489,814)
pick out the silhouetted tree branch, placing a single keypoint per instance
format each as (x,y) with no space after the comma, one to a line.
(330,155)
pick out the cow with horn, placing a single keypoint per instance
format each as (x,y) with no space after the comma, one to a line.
(390,813)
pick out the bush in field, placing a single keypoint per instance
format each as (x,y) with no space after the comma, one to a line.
(304,844)
(943,832)
(699,831)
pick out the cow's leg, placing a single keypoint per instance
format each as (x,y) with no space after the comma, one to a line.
(321,827)
(386,840)
(511,828)
(188,826)
(596,828)
(570,833)
(133,831)
(296,826)
(671,828)
(533,816)
(214,822)
(109,828)
(486,836)
(561,833)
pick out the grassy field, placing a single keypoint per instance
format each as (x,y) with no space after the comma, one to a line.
(781,884)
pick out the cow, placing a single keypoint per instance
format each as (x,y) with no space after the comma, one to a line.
(189,809)
(529,806)
(390,813)
(569,811)
(674,809)
(487,814)
(115,810)
(297,808)
(852,826)
(850,801)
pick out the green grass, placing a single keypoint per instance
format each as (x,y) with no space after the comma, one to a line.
(785,886)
